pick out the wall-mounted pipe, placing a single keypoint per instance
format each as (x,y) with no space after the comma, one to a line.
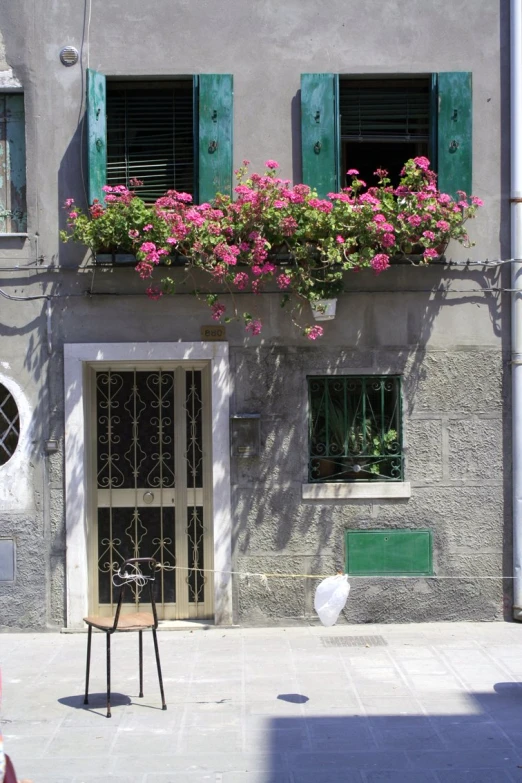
(516,301)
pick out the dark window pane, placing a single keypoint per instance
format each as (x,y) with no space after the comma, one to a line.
(355,428)
(150,136)
(384,122)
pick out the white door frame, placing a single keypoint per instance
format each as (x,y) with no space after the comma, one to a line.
(76,358)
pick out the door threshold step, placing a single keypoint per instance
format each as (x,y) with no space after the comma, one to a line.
(171,625)
(185,625)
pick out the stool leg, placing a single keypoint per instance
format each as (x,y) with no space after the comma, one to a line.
(156,650)
(141,663)
(108,675)
(88,669)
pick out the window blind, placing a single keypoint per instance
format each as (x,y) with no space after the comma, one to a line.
(384,110)
(150,136)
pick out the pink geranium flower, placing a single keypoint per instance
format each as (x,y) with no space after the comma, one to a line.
(313,332)
(380,262)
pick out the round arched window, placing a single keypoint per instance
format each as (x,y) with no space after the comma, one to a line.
(9,425)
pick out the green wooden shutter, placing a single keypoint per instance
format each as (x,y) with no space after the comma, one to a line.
(13,207)
(320,131)
(454,132)
(96,134)
(215,135)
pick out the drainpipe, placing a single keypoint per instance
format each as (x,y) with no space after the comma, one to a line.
(516,302)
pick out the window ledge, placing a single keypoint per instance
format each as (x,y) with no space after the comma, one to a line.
(345,491)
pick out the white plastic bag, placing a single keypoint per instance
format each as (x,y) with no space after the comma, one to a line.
(330,598)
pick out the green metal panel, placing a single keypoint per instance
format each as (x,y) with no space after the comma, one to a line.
(320,131)
(454,130)
(389,552)
(13,207)
(215,135)
(96,134)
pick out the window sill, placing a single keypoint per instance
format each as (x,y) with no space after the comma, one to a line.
(343,491)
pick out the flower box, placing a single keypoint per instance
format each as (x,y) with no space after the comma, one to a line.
(115,259)
(271,232)
(324,309)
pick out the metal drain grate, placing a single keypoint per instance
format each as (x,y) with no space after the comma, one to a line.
(354,641)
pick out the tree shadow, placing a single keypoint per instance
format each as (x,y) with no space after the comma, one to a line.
(442,330)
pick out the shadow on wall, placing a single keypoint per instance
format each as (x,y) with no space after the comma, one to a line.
(453,381)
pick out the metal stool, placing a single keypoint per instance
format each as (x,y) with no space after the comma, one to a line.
(137,621)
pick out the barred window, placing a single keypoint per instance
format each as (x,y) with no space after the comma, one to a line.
(355,428)
(9,425)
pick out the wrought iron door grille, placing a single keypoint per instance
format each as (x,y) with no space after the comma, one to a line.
(355,429)
(150,464)
(194,458)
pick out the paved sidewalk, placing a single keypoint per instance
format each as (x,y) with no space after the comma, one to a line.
(438,703)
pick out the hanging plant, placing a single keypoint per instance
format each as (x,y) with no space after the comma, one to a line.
(273,231)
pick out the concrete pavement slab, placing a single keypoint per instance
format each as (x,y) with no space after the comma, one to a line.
(437,703)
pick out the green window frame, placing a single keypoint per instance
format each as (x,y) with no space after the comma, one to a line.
(207,116)
(355,428)
(450,129)
(13,203)
(394,552)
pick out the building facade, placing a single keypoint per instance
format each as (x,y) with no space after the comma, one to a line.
(93,373)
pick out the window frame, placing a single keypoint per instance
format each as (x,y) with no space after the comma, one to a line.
(371,86)
(10,426)
(121,99)
(14,159)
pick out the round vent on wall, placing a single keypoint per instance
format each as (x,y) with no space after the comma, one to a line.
(69,55)
(9,425)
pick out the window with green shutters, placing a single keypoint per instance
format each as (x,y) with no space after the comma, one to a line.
(170,135)
(13,206)
(355,428)
(366,123)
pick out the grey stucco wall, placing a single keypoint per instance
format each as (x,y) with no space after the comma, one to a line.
(452,349)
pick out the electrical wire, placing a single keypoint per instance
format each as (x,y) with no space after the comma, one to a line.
(493,263)
(108,294)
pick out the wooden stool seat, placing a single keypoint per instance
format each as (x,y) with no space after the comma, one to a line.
(137,621)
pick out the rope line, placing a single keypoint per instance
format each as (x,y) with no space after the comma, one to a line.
(263,576)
